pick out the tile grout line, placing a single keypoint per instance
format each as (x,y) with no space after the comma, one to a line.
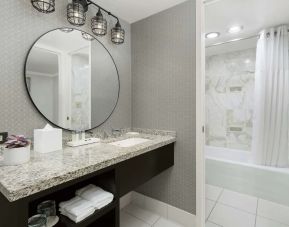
(274,220)
(223,189)
(156,220)
(269,218)
(159,217)
(215,223)
(224,204)
(237,208)
(256,212)
(215,203)
(132,215)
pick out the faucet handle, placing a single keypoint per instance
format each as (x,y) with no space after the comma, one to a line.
(116,132)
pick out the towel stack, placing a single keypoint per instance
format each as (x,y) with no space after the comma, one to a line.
(77,209)
(96,195)
(87,200)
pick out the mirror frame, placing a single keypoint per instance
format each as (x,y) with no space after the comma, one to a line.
(27,89)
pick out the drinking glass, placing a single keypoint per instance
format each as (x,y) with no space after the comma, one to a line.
(38,220)
(48,208)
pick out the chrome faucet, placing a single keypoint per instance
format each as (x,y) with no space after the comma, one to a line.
(116,132)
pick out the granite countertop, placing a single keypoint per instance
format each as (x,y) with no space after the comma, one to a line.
(48,170)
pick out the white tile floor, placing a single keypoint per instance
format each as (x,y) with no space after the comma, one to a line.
(134,216)
(225,208)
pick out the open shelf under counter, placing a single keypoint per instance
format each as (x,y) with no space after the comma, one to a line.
(95,218)
(116,170)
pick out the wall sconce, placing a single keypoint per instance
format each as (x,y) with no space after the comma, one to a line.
(76,15)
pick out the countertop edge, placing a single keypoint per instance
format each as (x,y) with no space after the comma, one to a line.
(13,196)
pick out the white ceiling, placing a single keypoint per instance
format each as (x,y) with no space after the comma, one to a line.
(36,64)
(55,41)
(135,10)
(65,42)
(254,15)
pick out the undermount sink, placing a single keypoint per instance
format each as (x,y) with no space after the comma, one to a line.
(129,142)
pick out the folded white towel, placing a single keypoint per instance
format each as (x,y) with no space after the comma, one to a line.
(79,218)
(88,187)
(103,204)
(79,207)
(69,202)
(76,208)
(97,196)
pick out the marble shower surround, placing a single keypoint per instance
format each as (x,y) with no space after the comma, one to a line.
(20,28)
(230,99)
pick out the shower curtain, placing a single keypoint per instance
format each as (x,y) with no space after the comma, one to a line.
(271,117)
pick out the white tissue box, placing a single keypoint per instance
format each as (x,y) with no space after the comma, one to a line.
(48,139)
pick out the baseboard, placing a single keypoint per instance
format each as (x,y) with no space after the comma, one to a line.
(163,209)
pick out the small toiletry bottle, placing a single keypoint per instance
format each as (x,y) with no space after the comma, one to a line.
(3,137)
(75,136)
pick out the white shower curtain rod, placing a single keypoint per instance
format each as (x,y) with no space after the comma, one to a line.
(235,40)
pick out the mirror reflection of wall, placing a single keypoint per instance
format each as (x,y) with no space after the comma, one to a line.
(80,88)
(43,81)
(71,80)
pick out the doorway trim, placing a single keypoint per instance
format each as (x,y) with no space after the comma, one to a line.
(200,114)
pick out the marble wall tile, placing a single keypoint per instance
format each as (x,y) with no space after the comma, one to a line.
(229,99)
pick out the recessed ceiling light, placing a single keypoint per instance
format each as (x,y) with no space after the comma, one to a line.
(248,61)
(235,29)
(212,35)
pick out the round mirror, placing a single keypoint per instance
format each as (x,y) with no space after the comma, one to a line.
(72,79)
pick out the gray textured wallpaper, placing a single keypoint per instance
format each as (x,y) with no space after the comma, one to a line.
(163,97)
(163,94)
(21,25)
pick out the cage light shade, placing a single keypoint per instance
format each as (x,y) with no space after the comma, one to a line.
(117,34)
(99,24)
(76,14)
(44,6)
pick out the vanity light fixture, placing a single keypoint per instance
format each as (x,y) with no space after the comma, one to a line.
(44,6)
(212,35)
(235,29)
(86,36)
(117,34)
(99,24)
(76,15)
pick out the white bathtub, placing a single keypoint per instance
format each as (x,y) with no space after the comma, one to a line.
(233,169)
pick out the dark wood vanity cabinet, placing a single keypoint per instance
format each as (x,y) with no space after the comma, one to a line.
(136,171)
(118,179)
